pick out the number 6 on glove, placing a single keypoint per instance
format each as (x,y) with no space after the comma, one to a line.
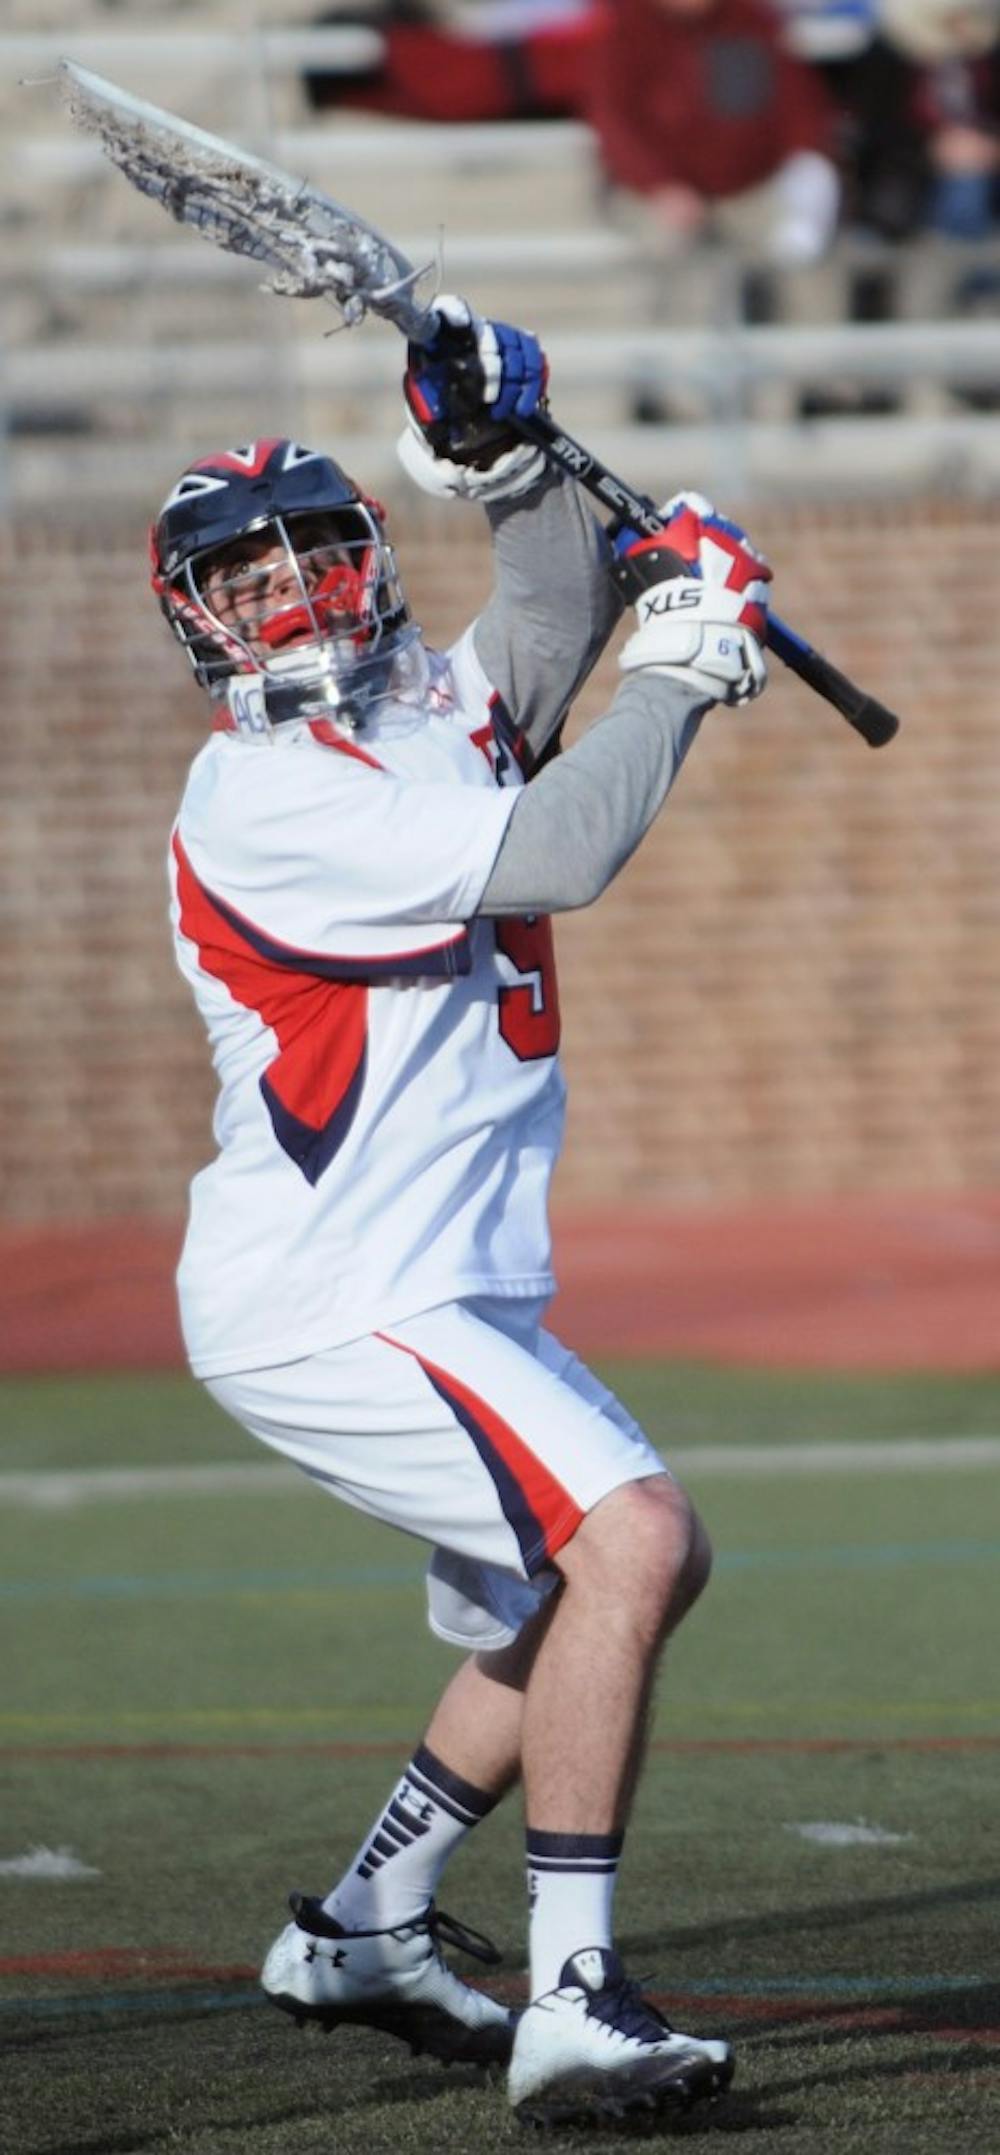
(702,617)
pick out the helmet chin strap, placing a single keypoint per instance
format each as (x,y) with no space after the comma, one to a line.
(302,684)
(247,706)
(297,685)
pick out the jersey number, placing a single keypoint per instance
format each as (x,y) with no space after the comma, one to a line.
(529,1013)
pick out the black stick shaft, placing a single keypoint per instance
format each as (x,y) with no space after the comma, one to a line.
(871,719)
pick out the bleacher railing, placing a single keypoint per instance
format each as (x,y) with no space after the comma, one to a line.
(745,389)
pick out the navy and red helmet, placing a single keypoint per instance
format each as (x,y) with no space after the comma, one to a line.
(318,625)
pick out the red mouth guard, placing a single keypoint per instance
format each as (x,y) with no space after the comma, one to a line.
(335,603)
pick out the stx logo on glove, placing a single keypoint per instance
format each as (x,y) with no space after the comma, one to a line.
(705,628)
(669,599)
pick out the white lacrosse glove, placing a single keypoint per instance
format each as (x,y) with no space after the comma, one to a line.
(462,392)
(703,622)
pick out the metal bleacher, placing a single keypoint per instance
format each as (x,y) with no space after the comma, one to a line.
(128,343)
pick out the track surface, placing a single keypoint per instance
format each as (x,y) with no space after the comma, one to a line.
(898,1283)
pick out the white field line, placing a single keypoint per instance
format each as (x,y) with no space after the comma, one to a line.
(904,1455)
(846,1833)
(47,1863)
(63,1490)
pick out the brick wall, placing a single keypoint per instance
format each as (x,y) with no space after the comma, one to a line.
(793,989)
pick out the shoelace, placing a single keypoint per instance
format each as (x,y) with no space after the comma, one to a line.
(459,1935)
(622,2006)
(311,1917)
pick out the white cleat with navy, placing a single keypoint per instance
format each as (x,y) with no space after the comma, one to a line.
(394,1980)
(595,2048)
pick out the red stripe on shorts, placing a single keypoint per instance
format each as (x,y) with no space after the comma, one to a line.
(535,1504)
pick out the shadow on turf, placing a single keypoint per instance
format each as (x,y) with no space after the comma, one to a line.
(963,2015)
(834,1915)
(736,2111)
(779,2102)
(946,2063)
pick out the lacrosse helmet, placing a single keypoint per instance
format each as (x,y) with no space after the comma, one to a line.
(274,572)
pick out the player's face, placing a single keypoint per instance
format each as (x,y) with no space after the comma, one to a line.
(262,591)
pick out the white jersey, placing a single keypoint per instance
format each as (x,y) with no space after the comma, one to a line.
(390,1104)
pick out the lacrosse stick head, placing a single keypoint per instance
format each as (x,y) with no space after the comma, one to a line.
(310,246)
(274,573)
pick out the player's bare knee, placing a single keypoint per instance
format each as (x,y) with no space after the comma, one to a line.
(695,1573)
(634,1547)
(677,1550)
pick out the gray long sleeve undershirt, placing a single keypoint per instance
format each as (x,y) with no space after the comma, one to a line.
(553,605)
(582,817)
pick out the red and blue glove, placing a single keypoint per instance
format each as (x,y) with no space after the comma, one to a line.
(464,388)
(705,625)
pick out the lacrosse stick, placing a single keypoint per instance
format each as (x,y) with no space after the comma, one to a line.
(313,248)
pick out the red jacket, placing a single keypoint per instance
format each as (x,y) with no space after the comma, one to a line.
(431,72)
(713,103)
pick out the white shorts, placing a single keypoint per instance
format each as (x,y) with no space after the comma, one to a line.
(469,1426)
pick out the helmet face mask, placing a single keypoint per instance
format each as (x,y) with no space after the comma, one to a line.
(269,564)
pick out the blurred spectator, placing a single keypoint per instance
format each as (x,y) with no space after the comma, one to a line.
(709,127)
(924,105)
(518,60)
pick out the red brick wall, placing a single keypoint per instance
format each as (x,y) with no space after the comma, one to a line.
(792,989)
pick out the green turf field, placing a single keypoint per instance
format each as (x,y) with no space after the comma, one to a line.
(205,1691)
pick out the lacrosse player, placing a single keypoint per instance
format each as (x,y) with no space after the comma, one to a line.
(365,857)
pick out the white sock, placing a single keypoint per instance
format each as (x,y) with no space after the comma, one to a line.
(571,1890)
(395,1871)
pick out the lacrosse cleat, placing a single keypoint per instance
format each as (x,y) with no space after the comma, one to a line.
(595,2049)
(395,1980)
